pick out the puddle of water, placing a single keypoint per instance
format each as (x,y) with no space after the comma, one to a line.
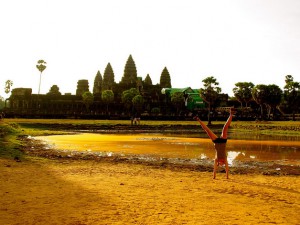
(159,145)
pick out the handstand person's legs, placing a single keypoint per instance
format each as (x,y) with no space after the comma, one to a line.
(215,168)
(226,168)
(206,129)
(226,126)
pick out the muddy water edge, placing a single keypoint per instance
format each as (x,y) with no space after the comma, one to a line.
(267,167)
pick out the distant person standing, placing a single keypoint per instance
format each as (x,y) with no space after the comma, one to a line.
(2,115)
(137,118)
(219,143)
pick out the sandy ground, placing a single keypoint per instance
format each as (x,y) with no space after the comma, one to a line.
(44,191)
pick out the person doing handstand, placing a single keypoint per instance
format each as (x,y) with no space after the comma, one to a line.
(219,143)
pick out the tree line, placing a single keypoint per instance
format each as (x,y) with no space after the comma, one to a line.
(138,95)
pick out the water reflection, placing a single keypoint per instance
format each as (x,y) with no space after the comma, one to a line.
(159,145)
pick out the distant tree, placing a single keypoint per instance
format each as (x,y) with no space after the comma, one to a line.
(177,99)
(127,97)
(138,102)
(107,97)
(148,80)
(130,73)
(108,78)
(260,94)
(97,89)
(242,92)
(41,66)
(273,99)
(292,94)
(210,93)
(88,99)
(8,85)
(165,79)
(54,91)
(2,102)
(155,111)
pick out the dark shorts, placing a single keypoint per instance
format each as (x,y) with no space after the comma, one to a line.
(219,140)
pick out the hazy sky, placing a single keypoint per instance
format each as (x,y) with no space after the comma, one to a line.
(232,40)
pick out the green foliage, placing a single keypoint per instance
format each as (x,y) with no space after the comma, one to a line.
(107,96)
(210,93)
(41,66)
(138,102)
(274,95)
(88,99)
(8,85)
(292,94)
(243,92)
(274,98)
(155,110)
(165,79)
(8,129)
(9,145)
(130,73)
(270,95)
(260,93)
(2,102)
(108,78)
(128,95)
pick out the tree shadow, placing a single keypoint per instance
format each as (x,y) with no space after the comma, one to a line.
(43,191)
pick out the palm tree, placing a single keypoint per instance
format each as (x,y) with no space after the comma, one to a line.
(8,85)
(260,94)
(210,93)
(41,66)
(292,94)
(273,99)
(242,92)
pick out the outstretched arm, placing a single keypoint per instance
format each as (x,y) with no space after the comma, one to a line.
(227,124)
(206,129)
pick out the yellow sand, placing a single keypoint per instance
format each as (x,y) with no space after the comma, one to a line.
(42,191)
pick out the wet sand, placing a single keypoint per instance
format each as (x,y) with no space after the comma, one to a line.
(65,191)
(174,146)
(251,156)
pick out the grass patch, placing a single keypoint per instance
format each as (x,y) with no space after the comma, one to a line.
(98,122)
(9,143)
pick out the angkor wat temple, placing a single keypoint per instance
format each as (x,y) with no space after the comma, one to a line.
(157,101)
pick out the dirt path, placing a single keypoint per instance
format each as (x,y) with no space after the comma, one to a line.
(77,192)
